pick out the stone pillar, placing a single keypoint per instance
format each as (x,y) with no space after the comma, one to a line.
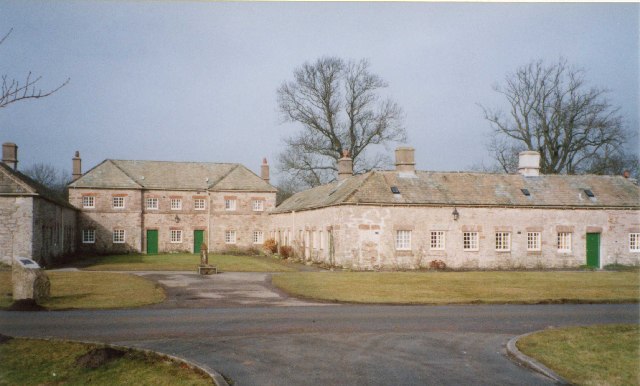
(345,166)
(29,281)
(405,160)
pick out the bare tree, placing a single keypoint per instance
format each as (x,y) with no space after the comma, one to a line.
(14,90)
(50,177)
(338,107)
(552,110)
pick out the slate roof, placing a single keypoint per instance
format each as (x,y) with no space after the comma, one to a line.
(168,175)
(427,188)
(14,183)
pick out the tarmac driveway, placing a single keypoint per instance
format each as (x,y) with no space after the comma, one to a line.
(228,289)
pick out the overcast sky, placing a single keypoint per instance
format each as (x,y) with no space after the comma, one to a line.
(197,81)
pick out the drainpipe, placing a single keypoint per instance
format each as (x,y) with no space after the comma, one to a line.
(208,221)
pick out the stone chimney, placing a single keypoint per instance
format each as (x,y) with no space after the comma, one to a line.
(77,166)
(529,163)
(345,166)
(264,170)
(405,160)
(10,155)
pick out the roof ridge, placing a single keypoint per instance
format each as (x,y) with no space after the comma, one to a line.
(17,177)
(357,188)
(224,176)
(174,162)
(126,174)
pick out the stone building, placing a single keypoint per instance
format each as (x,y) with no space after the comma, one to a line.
(406,219)
(34,222)
(157,206)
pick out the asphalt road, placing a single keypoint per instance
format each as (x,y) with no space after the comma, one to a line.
(332,345)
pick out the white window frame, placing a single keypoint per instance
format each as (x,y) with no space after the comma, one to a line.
(634,242)
(534,241)
(230,237)
(88,236)
(119,236)
(88,202)
(257,205)
(176,204)
(117,202)
(258,237)
(230,204)
(152,203)
(564,242)
(199,204)
(403,240)
(503,241)
(437,241)
(176,236)
(471,241)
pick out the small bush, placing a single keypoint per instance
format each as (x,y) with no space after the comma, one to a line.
(270,245)
(437,265)
(621,267)
(286,252)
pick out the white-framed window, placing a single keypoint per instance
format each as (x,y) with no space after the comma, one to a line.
(118,236)
(564,241)
(503,241)
(534,241)
(151,203)
(117,202)
(199,204)
(88,202)
(258,237)
(634,242)
(229,204)
(230,237)
(176,236)
(403,240)
(437,240)
(321,240)
(88,236)
(470,241)
(257,205)
(176,203)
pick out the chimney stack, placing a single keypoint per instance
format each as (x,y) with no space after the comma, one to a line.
(264,170)
(529,163)
(10,155)
(405,160)
(345,166)
(626,174)
(77,166)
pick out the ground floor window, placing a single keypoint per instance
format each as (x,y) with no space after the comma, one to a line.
(470,241)
(230,237)
(176,236)
(88,236)
(118,236)
(634,242)
(258,237)
(533,241)
(564,242)
(437,240)
(403,240)
(503,241)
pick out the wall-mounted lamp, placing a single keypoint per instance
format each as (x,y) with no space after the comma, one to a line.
(455,214)
(177,218)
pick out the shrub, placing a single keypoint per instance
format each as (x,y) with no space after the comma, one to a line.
(270,245)
(286,252)
(438,265)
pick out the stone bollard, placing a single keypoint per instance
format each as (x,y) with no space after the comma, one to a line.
(29,281)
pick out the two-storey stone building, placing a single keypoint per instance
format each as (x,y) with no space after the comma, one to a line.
(159,206)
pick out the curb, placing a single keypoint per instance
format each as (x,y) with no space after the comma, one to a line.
(217,378)
(532,364)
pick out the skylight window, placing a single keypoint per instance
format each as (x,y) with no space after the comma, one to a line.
(395,190)
(525,192)
(589,193)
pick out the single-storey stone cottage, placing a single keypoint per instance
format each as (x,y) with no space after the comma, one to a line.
(34,222)
(157,206)
(407,219)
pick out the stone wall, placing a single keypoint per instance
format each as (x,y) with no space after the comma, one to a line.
(363,237)
(54,232)
(16,230)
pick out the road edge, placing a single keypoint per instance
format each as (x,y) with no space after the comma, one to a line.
(531,363)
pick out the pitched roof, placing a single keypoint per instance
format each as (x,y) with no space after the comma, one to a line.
(168,175)
(15,183)
(470,189)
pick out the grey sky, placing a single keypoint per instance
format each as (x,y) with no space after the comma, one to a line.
(196,81)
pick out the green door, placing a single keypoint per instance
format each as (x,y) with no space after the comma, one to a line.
(198,238)
(593,250)
(152,241)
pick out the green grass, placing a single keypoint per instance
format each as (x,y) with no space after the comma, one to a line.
(97,290)
(462,287)
(595,355)
(181,262)
(39,362)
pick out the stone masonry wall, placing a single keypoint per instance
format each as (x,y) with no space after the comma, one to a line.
(16,219)
(54,232)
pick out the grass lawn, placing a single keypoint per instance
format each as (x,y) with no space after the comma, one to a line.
(595,355)
(39,362)
(462,287)
(91,290)
(181,262)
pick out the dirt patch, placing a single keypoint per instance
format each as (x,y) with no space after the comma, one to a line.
(4,338)
(99,357)
(25,305)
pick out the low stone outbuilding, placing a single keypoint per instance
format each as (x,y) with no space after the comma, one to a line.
(407,219)
(35,222)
